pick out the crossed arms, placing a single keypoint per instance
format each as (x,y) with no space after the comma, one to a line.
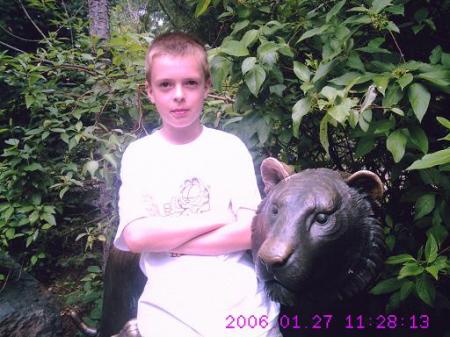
(202,237)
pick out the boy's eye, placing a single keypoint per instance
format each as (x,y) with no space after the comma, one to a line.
(164,85)
(191,83)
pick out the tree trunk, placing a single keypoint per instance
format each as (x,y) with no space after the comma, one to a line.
(99,18)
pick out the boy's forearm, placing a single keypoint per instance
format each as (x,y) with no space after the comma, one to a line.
(157,235)
(226,239)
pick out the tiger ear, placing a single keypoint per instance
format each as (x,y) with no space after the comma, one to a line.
(367,181)
(273,171)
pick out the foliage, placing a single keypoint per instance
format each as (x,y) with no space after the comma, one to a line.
(67,111)
(317,83)
(89,294)
(331,84)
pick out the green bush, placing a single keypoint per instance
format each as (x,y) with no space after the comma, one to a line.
(328,84)
(344,84)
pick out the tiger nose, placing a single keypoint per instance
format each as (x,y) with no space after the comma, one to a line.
(274,255)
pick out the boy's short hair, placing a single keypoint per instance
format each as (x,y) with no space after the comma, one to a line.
(176,44)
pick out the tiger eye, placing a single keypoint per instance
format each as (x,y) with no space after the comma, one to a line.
(321,218)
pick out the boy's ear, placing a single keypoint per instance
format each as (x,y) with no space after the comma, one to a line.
(207,86)
(149,91)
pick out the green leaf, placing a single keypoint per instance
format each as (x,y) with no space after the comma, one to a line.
(433,271)
(313,32)
(405,80)
(440,264)
(396,143)
(63,191)
(220,69)
(431,249)
(393,95)
(398,111)
(34,167)
(299,110)
(12,141)
(91,166)
(341,111)
(248,64)
(267,53)
(406,289)
(440,78)
(424,205)
(238,26)
(418,138)
(430,160)
(330,93)
(386,286)
(110,158)
(277,89)
(10,233)
(234,48)
(323,70)
(34,259)
(202,6)
(263,130)
(425,289)
(391,26)
(49,218)
(46,226)
(323,134)
(254,79)
(29,100)
(444,122)
(94,269)
(33,217)
(439,232)
(365,145)
(390,242)
(435,55)
(250,37)
(333,11)
(302,71)
(378,5)
(410,269)
(345,79)
(354,62)
(419,97)
(399,259)
(381,82)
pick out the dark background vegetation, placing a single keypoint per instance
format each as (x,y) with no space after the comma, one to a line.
(344,84)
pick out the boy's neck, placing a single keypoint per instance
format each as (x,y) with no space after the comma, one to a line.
(181,136)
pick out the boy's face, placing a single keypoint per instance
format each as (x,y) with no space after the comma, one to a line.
(178,89)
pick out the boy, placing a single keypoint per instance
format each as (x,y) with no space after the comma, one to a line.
(187,199)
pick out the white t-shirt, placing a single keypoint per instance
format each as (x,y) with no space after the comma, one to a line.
(192,295)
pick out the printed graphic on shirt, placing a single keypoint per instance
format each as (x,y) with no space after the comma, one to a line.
(193,198)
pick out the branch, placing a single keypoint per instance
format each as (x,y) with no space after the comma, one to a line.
(16,36)
(224,98)
(73,66)
(12,47)
(64,65)
(402,56)
(34,24)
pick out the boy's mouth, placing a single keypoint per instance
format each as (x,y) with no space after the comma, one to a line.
(179,112)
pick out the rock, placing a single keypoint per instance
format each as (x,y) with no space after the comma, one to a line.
(27,309)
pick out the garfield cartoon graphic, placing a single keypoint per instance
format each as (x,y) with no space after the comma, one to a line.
(193,198)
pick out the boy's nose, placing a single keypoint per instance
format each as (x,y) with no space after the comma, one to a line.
(179,92)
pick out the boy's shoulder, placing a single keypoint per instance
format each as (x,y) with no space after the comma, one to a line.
(145,143)
(224,136)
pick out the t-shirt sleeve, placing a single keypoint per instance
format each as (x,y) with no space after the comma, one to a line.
(131,204)
(245,194)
